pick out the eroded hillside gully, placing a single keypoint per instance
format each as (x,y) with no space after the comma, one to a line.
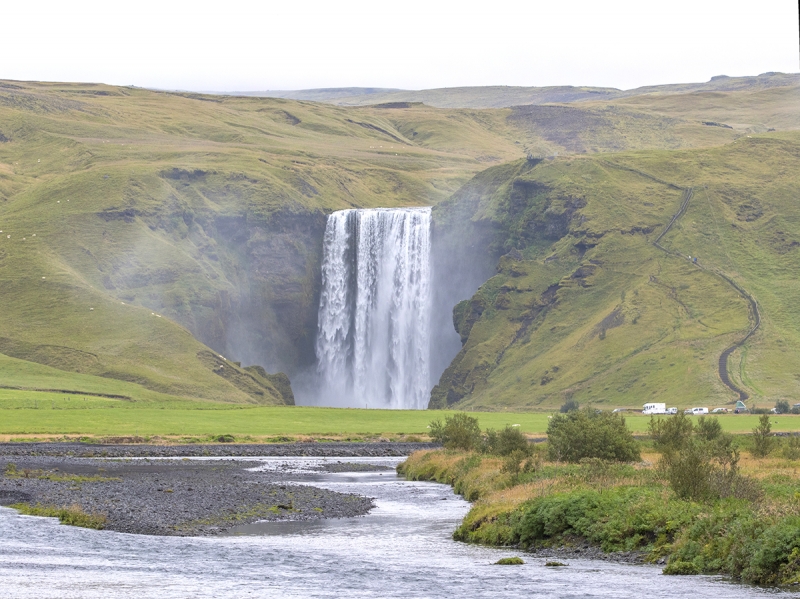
(401,548)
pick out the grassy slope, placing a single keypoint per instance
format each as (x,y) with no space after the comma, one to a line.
(630,324)
(123,205)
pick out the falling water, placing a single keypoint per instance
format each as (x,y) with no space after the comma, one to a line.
(373,340)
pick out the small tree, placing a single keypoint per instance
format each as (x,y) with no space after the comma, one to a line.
(670,434)
(782,407)
(459,431)
(763,442)
(701,461)
(590,434)
(506,441)
(708,429)
(569,406)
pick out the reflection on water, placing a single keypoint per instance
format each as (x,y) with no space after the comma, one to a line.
(402,549)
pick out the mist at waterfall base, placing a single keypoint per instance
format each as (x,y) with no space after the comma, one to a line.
(390,279)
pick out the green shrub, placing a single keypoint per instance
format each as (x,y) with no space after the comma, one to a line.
(569,406)
(589,434)
(520,462)
(708,429)
(763,442)
(782,407)
(459,431)
(701,461)
(689,471)
(791,448)
(773,551)
(506,441)
(619,519)
(670,434)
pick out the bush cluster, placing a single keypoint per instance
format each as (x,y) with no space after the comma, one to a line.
(461,431)
(700,461)
(587,433)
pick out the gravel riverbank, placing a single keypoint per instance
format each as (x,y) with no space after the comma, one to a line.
(332,450)
(181,497)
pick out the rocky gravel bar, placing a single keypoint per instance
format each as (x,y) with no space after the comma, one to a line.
(331,450)
(180,497)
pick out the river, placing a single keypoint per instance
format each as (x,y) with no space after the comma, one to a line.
(403,548)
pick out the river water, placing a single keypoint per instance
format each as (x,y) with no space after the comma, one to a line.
(403,548)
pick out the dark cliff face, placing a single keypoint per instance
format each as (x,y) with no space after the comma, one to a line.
(246,285)
(271,318)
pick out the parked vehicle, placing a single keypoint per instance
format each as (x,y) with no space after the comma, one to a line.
(688,411)
(672,411)
(719,411)
(699,411)
(654,408)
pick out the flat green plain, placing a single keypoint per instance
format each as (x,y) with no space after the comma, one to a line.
(266,421)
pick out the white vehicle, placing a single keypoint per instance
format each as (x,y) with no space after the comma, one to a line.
(654,408)
(672,411)
(699,411)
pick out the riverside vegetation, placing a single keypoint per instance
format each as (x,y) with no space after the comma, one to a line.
(698,500)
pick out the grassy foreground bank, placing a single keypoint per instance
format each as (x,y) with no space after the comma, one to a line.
(53,414)
(627,507)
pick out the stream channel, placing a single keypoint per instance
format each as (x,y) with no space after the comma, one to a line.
(403,548)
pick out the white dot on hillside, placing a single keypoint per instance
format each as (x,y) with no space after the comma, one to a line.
(43,278)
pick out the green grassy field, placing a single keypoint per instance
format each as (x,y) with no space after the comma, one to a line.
(60,416)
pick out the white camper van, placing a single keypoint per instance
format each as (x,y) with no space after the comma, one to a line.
(699,411)
(654,408)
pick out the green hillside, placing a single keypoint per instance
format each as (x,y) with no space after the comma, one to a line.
(503,96)
(146,234)
(585,306)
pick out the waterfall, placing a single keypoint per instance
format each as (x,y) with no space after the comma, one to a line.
(373,338)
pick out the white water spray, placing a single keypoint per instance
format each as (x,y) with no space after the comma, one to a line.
(373,340)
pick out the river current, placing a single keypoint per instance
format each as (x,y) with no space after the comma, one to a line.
(403,548)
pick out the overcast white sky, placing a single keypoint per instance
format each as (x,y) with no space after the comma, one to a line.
(411,44)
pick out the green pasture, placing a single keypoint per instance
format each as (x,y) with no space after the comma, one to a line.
(98,417)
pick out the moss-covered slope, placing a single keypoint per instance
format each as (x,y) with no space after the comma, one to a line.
(583,305)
